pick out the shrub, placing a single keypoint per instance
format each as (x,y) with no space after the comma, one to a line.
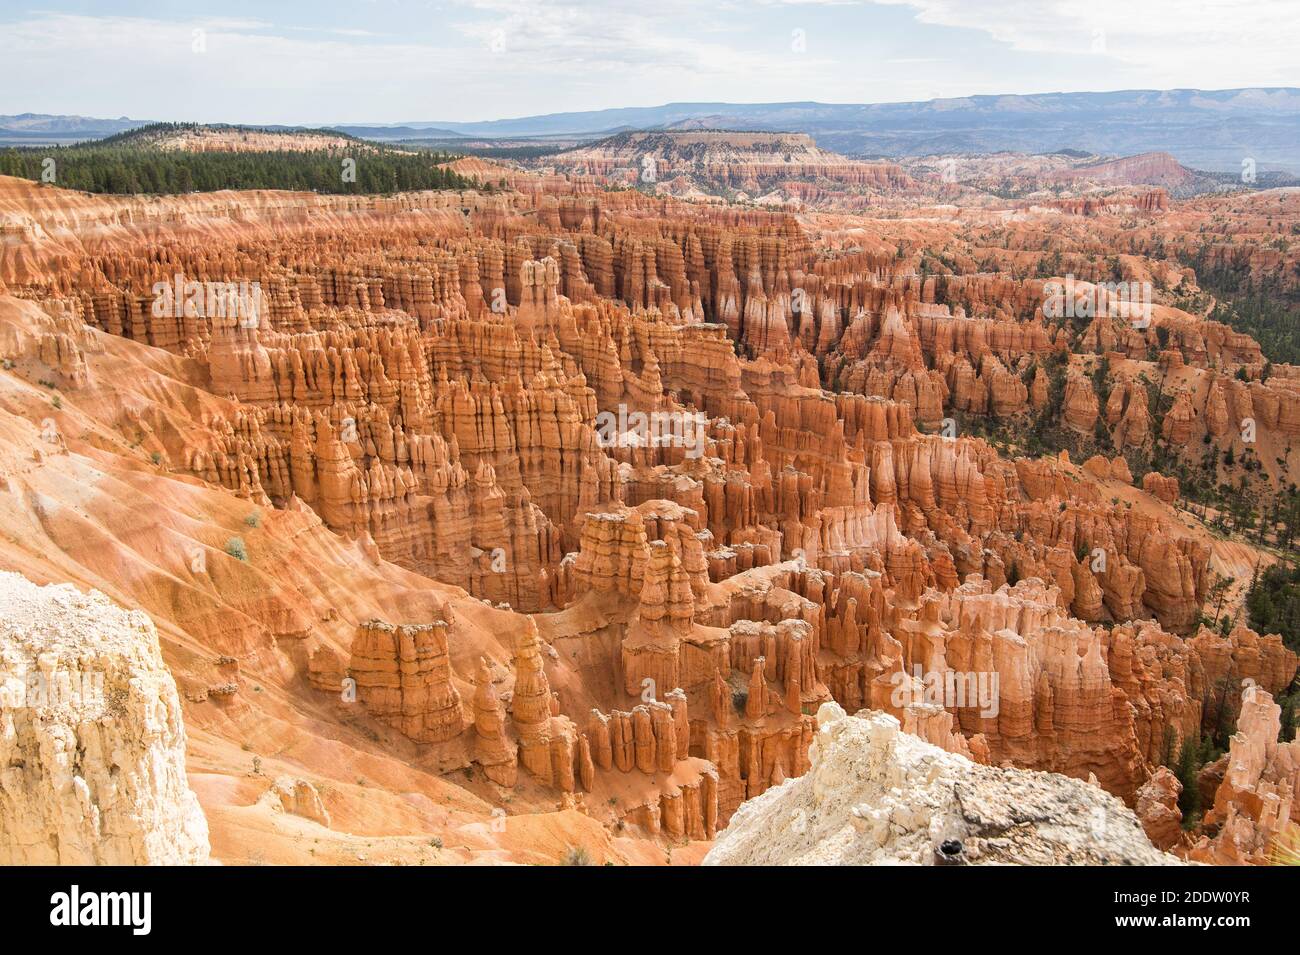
(1286,848)
(236,549)
(1189,800)
(1273,603)
(577,856)
(739,699)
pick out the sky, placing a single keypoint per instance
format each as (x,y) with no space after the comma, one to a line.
(391,61)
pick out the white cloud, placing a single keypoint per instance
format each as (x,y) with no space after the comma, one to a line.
(492,56)
(475,59)
(1162,43)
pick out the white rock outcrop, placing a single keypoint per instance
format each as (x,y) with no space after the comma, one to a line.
(878,796)
(92,746)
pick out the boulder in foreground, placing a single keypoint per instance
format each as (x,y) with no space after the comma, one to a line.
(878,796)
(92,747)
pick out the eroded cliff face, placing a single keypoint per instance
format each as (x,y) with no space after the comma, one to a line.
(91,736)
(875,795)
(565,511)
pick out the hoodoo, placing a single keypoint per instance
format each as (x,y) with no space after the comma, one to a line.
(644,496)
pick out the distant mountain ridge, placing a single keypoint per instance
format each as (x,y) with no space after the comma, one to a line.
(1215,130)
(48,122)
(38,129)
(398,132)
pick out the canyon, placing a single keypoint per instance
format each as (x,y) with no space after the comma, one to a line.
(405,595)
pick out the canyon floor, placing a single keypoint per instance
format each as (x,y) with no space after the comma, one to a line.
(538,525)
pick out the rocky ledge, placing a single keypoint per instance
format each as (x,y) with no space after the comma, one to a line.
(878,796)
(91,740)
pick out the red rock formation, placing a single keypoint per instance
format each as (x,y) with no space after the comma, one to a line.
(494,751)
(1157,808)
(486,400)
(1255,803)
(1080,410)
(403,678)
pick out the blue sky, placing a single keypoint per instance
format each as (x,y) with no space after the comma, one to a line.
(459,60)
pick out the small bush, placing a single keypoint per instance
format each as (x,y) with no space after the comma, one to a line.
(739,698)
(1286,847)
(577,856)
(236,549)
(1186,769)
(253,520)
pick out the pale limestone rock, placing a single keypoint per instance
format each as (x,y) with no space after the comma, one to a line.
(878,796)
(91,738)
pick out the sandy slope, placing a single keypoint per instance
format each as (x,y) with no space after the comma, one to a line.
(83,501)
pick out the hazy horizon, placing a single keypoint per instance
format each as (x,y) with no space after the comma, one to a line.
(355,121)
